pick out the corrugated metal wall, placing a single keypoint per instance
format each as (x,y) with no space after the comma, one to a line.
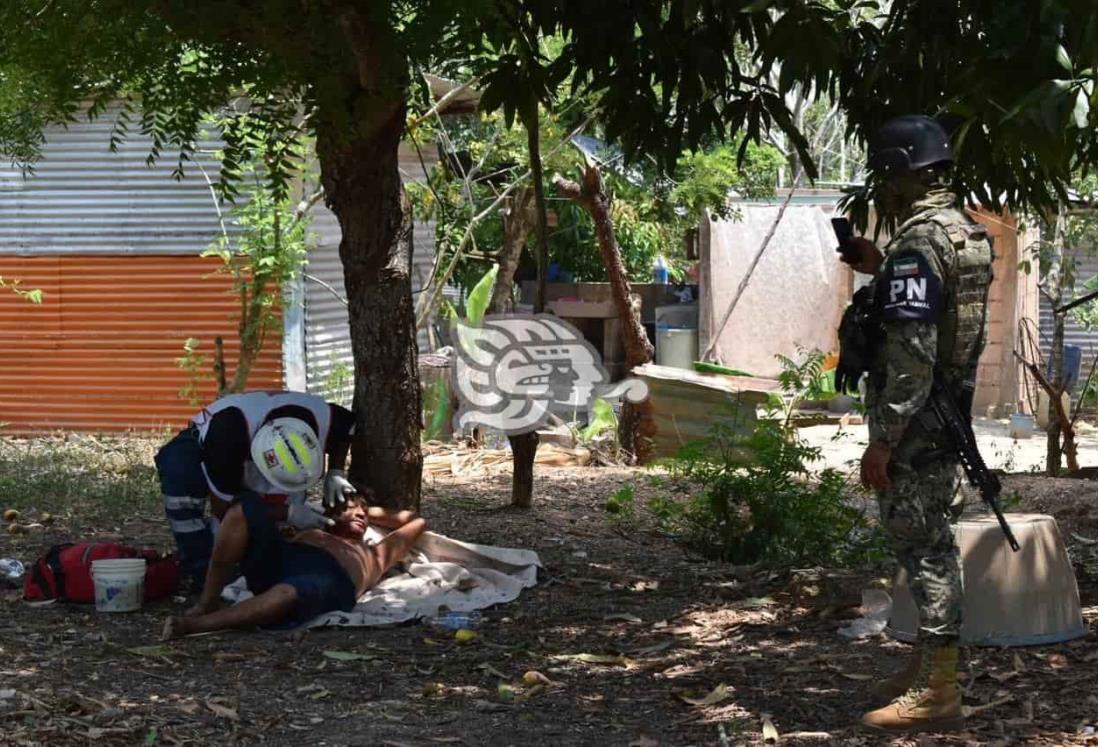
(84,199)
(1074,333)
(99,353)
(92,229)
(329,363)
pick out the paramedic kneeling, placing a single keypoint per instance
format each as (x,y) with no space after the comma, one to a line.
(268,443)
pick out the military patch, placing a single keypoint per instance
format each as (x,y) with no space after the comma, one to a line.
(270,458)
(909,290)
(905,267)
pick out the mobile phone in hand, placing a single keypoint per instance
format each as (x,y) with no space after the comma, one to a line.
(844,232)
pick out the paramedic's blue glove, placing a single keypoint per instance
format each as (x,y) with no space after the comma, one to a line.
(304,516)
(337,488)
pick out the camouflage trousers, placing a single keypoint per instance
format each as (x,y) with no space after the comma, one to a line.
(918,513)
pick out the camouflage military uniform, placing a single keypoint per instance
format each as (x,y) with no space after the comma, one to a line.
(932,295)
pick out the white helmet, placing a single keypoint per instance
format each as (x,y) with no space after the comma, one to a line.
(287,454)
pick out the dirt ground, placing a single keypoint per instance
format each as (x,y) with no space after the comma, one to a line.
(627,627)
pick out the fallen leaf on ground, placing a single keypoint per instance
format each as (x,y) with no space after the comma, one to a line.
(623,617)
(620,661)
(719,693)
(347,656)
(752,603)
(770,732)
(227,656)
(489,669)
(654,649)
(857,676)
(1019,665)
(1057,661)
(223,710)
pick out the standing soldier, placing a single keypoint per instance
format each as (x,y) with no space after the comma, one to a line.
(930,296)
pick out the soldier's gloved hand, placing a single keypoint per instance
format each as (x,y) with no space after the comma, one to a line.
(304,516)
(337,488)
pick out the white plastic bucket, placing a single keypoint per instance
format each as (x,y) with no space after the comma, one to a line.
(676,347)
(119,584)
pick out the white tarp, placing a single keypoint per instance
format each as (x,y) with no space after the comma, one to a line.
(795,297)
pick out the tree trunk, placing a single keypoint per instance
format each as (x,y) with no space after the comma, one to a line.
(358,167)
(1054,281)
(518,220)
(637,427)
(524,446)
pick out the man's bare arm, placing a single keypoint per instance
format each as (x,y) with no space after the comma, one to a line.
(389,519)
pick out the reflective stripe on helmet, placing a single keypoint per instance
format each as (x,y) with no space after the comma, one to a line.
(288,460)
(301,450)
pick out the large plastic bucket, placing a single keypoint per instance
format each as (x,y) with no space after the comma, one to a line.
(676,347)
(119,584)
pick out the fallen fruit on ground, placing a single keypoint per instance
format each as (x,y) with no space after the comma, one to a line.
(532,678)
(465,636)
(11,515)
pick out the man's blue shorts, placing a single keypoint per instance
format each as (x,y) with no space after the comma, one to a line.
(320,581)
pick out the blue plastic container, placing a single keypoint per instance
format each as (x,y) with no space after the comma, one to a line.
(1073,364)
(660,274)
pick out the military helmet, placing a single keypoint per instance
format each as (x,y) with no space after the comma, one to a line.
(908,143)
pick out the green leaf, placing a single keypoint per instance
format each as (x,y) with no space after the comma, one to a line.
(477,303)
(602,419)
(1082,110)
(1062,58)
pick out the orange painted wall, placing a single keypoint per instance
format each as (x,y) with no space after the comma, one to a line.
(99,354)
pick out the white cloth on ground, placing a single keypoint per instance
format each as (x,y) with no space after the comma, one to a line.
(440,573)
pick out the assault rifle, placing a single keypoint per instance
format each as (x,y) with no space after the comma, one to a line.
(961,443)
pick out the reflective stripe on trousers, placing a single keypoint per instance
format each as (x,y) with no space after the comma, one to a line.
(184,489)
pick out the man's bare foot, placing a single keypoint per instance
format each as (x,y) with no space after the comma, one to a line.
(174,627)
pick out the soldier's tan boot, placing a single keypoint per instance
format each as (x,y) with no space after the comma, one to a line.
(932,703)
(888,690)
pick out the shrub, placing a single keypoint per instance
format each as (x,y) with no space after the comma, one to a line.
(752,498)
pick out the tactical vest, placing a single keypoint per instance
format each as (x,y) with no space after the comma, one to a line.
(967,281)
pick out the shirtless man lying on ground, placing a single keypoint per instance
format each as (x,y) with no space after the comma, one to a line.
(294,581)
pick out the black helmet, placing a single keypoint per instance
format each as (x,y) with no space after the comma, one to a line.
(908,143)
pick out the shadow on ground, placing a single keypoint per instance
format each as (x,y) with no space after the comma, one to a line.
(624,625)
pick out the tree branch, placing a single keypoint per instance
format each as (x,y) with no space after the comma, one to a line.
(328,287)
(431,299)
(441,104)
